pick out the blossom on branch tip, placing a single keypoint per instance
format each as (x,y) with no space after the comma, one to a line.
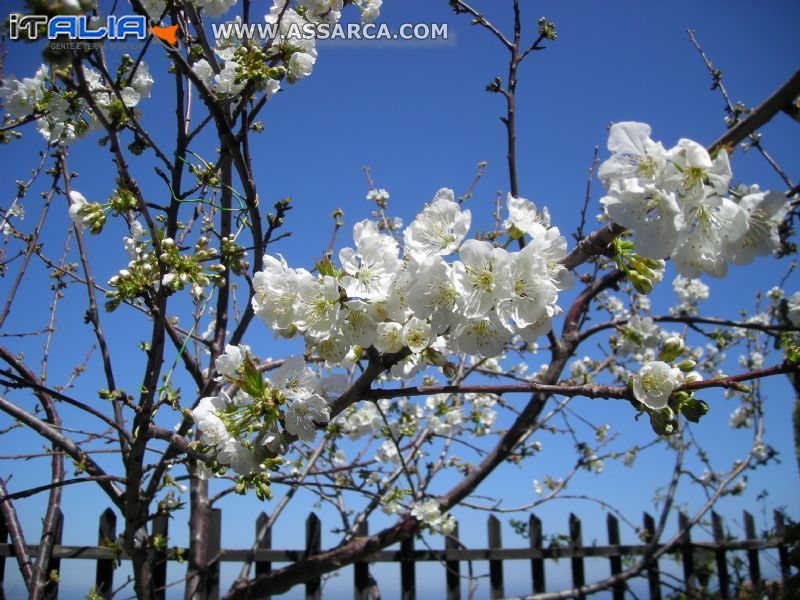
(654,383)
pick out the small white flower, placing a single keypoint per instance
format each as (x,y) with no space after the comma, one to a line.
(387,453)
(204,71)
(434,293)
(216,8)
(654,383)
(765,211)
(793,309)
(301,64)
(142,80)
(228,363)
(740,418)
(378,196)
(302,414)
(439,229)
(370,10)
(294,379)
(78,202)
(523,215)
(483,276)
(206,418)
(417,335)
(390,337)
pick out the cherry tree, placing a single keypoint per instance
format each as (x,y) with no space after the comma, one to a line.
(414,337)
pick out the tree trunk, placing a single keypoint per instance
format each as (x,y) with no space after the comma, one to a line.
(142,564)
(197,569)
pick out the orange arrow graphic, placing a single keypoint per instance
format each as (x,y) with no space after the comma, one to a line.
(167,34)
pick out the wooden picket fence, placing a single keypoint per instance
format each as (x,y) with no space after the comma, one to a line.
(451,557)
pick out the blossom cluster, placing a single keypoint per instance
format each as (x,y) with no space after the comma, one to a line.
(430,515)
(264,63)
(61,114)
(679,204)
(413,302)
(246,430)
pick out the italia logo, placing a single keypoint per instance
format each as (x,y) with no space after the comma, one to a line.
(78,27)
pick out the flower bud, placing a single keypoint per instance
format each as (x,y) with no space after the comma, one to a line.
(640,283)
(655,265)
(671,349)
(450,370)
(686,365)
(663,421)
(694,409)
(692,376)
(639,265)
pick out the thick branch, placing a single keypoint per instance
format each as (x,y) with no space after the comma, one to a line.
(781,99)
(17,537)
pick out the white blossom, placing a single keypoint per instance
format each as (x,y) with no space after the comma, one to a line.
(654,383)
(301,64)
(387,453)
(523,215)
(75,208)
(793,309)
(302,414)
(482,276)
(764,212)
(206,417)
(417,335)
(294,379)
(228,363)
(215,8)
(439,229)
(434,293)
(390,337)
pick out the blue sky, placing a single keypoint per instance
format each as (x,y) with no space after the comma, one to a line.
(417,115)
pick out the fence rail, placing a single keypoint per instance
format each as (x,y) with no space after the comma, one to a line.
(451,556)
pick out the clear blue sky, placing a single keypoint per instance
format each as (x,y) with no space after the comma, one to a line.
(416,113)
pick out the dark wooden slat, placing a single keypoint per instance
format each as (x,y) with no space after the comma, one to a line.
(361,569)
(408,575)
(265,543)
(51,590)
(653,577)
(313,546)
(213,549)
(575,536)
(453,567)
(752,555)
(615,561)
(104,573)
(537,564)
(160,527)
(719,555)
(3,540)
(495,566)
(783,553)
(687,557)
